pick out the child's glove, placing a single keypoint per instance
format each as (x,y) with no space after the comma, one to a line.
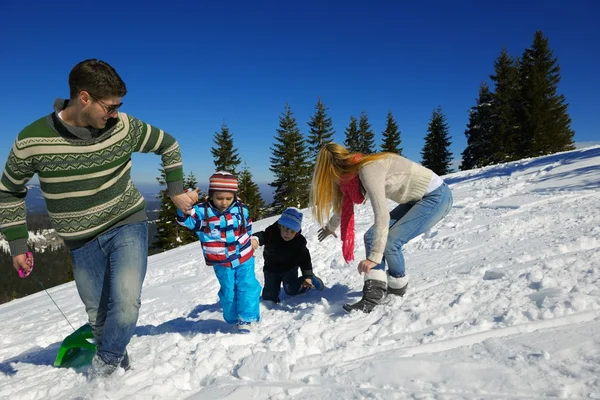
(324,232)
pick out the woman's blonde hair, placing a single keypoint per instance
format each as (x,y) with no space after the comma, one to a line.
(334,163)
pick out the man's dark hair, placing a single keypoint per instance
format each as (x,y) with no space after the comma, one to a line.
(97,78)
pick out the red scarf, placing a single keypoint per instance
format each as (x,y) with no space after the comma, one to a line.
(351,195)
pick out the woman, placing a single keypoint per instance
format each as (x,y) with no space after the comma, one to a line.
(342,179)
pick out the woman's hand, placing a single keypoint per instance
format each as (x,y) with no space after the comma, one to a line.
(365,266)
(323,233)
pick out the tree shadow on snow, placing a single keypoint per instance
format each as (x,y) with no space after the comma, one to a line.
(520,165)
(586,180)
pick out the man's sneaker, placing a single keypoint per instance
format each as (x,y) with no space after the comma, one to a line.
(317,282)
(100,368)
(243,327)
(125,364)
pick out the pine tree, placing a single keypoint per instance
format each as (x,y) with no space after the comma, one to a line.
(191,182)
(249,193)
(57,269)
(436,153)
(391,136)
(225,155)
(289,164)
(186,235)
(506,132)
(544,117)
(169,234)
(366,136)
(166,226)
(320,133)
(352,141)
(479,131)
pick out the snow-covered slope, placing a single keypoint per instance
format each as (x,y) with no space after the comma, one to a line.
(504,302)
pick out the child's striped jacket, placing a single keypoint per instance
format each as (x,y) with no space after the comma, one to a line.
(225,236)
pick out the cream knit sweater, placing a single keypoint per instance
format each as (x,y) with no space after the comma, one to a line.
(395,178)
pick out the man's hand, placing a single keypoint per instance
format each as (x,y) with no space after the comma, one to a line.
(365,266)
(307,283)
(21,261)
(193,193)
(185,201)
(255,243)
(323,233)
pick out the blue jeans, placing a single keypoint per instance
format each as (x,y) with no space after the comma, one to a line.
(408,221)
(109,272)
(239,293)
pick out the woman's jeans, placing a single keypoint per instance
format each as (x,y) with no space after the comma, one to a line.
(408,221)
(109,272)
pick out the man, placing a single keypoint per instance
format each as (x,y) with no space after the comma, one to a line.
(82,155)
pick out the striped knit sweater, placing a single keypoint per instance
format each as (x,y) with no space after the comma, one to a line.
(225,236)
(86,183)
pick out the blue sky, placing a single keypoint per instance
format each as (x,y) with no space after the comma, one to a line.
(190,66)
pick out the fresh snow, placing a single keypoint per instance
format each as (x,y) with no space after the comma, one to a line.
(503,303)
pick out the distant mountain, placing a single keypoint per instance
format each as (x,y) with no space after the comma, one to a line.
(34,201)
(266,192)
(36,205)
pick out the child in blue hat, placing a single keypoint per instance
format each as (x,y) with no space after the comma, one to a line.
(285,252)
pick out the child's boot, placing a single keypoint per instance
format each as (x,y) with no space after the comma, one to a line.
(243,327)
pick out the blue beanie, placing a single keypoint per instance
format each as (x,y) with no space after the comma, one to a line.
(291,219)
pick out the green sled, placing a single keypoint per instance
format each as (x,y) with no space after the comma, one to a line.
(76,350)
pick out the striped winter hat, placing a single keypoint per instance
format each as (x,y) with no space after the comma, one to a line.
(291,218)
(222,181)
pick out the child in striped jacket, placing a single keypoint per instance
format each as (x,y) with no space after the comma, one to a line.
(224,228)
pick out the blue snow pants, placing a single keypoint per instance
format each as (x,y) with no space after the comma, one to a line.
(239,293)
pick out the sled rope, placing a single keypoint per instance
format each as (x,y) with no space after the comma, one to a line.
(42,286)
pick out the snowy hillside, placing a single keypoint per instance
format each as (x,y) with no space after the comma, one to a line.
(504,302)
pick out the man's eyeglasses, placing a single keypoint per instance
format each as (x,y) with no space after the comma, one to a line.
(109,108)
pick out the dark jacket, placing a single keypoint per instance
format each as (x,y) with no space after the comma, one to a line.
(281,256)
